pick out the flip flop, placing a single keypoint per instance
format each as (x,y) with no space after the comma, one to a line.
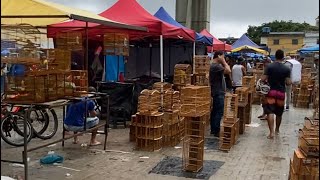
(261,116)
(270,137)
(96,144)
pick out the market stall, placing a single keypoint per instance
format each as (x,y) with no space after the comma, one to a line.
(44,75)
(217,44)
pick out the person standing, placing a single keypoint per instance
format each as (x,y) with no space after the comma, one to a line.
(278,76)
(238,71)
(218,68)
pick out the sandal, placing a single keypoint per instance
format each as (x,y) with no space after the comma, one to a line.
(95,144)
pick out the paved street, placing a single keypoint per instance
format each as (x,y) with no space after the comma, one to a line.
(253,157)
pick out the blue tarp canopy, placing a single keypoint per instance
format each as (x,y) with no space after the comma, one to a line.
(164,16)
(244,41)
(310,49)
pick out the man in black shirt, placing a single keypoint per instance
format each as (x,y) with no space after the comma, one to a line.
(278,76)
(218,68)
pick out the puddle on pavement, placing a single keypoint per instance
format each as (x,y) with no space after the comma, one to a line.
(173,166)
(275,158)
(211,144)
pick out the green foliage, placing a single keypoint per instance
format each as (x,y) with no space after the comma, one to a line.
(255,32)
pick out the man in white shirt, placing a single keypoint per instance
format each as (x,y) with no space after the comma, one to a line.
(238,71)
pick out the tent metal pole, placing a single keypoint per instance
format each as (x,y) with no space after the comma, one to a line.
(150,58)
(87,49)
(169,58)
(193,59)
(161,67)
(161,57)
(212,52)
(118,68)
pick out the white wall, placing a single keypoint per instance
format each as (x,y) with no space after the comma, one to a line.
(311,38)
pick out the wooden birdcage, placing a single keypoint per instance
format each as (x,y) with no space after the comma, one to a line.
(26,89)
(182,74)
(195,100)
(192,157)
(243,95)
(80,80)
(171,100)
(116,44)
(149,101)
(195,128)
(259,67)
(249,81)
(60,59)
(230,108)
(148,131)
(69,40)
(200,79)
(202,64)
(162,86)
(227,136)
(304,166)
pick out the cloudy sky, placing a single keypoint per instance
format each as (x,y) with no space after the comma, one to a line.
(228,17)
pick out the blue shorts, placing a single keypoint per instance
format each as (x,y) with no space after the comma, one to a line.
(91,122)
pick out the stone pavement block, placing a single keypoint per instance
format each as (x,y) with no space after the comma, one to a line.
(254,157)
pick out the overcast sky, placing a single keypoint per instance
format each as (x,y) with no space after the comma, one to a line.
(228,17)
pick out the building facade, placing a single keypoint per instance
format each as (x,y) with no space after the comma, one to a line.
(287,41)
(311,38)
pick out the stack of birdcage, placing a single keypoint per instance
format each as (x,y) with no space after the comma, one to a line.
(229,131)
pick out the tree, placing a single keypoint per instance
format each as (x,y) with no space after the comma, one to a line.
(255,32)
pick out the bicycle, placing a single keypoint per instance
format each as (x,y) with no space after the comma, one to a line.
(11,123)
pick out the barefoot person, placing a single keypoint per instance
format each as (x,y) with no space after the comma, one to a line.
(75,119)
(218,68)
(278,76)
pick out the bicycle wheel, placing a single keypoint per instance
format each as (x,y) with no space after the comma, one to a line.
(39,121)
(12,130)
(50,124)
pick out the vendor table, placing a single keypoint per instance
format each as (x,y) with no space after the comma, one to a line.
(54,104)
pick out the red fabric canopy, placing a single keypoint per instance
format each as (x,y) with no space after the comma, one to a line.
(217,44)
(132,13)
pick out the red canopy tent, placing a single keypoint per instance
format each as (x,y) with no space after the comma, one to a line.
(217,45)
(128,12)
(132,13)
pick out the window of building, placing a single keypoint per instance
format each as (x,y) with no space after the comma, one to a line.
(276,41)
(295,41)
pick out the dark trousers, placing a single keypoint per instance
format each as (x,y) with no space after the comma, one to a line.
(216,113)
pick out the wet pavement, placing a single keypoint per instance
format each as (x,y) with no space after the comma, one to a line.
(253,157)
